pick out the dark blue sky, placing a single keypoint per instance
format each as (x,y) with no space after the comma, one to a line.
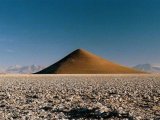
(43,31)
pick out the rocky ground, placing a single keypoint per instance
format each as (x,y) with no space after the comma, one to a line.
(50,97)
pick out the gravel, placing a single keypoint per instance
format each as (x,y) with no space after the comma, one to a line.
(50,97)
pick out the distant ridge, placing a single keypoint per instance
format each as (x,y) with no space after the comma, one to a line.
(17,69)
(83,62)
(148,68)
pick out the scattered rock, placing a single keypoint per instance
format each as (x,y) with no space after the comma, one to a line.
(37,97)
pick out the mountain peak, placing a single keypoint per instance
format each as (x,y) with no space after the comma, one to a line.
(80,51)
(79,54)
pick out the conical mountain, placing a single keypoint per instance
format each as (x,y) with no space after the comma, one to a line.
(83,62)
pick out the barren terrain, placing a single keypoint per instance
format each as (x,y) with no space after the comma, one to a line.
(50,97)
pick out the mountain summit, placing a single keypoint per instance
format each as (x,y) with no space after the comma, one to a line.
(83,62)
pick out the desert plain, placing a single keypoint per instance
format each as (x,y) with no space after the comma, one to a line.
(54,97)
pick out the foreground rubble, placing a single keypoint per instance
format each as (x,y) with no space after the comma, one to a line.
(50,97)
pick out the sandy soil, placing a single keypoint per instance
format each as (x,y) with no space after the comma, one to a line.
(50,97)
